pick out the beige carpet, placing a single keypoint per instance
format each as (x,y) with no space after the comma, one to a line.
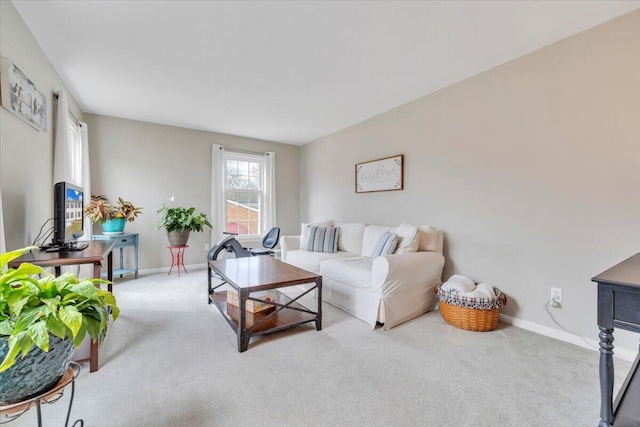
(171,360)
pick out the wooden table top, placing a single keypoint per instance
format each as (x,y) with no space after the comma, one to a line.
(259,273)
(94,253)
(626,273)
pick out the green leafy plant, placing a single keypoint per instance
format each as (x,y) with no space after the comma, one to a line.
(181,219)
(100,210)
(34,304)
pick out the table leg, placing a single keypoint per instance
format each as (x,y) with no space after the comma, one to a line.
(121,260)
(319,294)
(181,261)
(135,253)
(243,334)
(94,352)
(209,283)
(606,377)
(110,269)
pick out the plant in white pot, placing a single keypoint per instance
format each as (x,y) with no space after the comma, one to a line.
(42,318)
(180,221)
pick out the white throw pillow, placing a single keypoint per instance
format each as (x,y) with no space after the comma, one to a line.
(304,232)
(407,238)
(428,238)
(350,236)
(370,237)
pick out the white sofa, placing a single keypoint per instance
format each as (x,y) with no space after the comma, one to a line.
(390,290)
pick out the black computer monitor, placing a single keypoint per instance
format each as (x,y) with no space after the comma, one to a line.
(68,207)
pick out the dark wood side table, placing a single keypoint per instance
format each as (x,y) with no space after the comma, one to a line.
(619,307)
(94,254)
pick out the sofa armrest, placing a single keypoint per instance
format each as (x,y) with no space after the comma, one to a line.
(405,283)
(288,243)
(395,273)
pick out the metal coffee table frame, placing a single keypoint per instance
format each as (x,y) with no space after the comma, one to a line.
(286,312)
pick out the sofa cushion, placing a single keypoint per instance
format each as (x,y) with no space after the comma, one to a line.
(311,260)
(370,238)
(386,245)
(304,232)
(428,238)
(408,239)
(350,236)
(351,271)
(322,239)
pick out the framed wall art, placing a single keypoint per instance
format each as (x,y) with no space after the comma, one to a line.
(380,175)
(20,96)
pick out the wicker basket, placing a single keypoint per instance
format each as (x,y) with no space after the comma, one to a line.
(471,314)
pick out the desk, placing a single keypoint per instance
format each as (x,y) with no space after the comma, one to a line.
(94,254)
(618,306)
(125,240)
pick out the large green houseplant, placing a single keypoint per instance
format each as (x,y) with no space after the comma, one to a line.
(112,217)
(42,318)
(180,221)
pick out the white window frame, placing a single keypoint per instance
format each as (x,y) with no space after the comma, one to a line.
(218,199)
(262,193)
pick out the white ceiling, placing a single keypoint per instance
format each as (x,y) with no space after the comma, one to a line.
(286,71)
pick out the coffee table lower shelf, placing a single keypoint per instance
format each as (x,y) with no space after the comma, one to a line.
(261,323)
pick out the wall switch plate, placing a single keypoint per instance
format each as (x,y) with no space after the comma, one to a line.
(556,296)
(206,246)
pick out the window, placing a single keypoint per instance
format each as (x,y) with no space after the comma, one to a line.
(244,192)
(75,151)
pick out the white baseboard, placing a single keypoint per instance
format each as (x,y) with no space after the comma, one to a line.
(166,269)
(623,353)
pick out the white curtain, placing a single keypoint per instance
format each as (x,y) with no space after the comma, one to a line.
(217,193)
(62,160)
(269,218)
(63,164)
(86,177)
(3,244)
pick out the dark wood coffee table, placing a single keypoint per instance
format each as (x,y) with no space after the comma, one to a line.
(261,273)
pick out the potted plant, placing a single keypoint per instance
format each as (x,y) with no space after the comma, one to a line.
(112,217)
(179,222)
(42,318)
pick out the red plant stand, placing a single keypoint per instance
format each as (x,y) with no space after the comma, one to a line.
(177,258)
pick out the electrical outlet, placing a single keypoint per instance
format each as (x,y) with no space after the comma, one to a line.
(556,296)
(206,246)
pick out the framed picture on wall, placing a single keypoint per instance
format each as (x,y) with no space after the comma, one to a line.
(380,175)
(20,96)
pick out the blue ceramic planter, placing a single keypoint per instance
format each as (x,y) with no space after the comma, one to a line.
(36,373)
(113,226)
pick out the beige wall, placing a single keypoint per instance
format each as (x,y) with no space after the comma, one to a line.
(531,169)
(26,154)
(148,163)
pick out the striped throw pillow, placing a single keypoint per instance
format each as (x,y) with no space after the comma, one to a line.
(386,245)
(323,239)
